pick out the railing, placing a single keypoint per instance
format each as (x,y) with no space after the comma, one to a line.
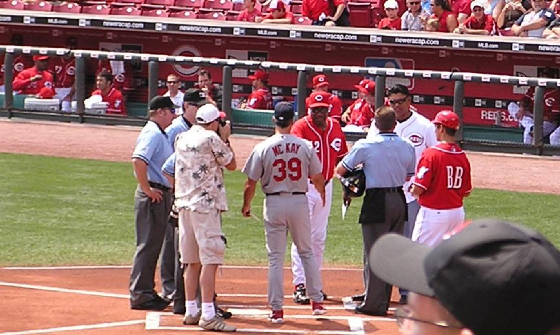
(380,74)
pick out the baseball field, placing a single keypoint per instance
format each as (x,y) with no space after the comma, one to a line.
(67,235)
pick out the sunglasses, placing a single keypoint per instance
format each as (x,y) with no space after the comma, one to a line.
(397,101)
(414,3)
(172,82)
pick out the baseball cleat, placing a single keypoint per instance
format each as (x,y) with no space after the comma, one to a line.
(300,295)
(191,319)
(318,308)
(216,324)
(277,316)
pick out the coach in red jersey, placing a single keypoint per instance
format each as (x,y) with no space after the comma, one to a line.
(328,140)
(260,98)
(443,179)
(34,79)
(109,94)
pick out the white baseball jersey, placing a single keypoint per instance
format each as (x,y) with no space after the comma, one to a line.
(419,131)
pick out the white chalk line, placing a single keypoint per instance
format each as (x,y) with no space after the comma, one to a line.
(75,328)
(93,267)
(65,290)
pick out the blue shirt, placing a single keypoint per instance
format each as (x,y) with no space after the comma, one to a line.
(169,165)
(176,127)
(152,146)
(387,160)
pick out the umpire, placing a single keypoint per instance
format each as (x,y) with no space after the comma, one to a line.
(388,161)
(152,203)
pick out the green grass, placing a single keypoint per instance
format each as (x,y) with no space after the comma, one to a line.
(56,211)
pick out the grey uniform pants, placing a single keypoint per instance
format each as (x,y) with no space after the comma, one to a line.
(378,293)
(283,213)
(151,224)
(167,262)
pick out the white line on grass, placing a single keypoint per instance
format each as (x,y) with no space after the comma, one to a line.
(75,328)
(65,290)
(93,267)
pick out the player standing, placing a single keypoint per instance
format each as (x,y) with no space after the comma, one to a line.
(443,179)
(284,163)
(329,143)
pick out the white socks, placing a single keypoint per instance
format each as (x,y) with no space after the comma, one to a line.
(192,307)
(208,311)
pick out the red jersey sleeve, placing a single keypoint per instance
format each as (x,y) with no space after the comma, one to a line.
(21,80)
(424,173)
(256,101)
(336,109)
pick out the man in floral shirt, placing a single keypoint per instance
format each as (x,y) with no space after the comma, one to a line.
(200,195)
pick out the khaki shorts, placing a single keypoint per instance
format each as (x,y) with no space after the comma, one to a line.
(200,237)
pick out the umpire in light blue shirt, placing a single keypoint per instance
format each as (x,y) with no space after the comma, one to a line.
(152,203)
(388,161)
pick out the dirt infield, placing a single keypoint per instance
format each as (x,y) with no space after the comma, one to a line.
(115,143)
(95,300)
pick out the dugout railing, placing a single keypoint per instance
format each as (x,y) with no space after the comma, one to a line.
(380,74)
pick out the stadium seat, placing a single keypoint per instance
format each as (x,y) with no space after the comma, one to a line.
(12,4)
(182,14)
(232,15)
(296,7)
(123,10)
(222,5)
(153,10)
(67,7)
(160,2)
(360,14)
(214,15)
(303,20)
(135,2)
(237,6)
(194,4)
(96,9)
(41,6)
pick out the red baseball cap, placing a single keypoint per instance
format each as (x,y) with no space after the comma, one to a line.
(40,57)
(259,74)
(320,80)
(361,83)
(318,99)
(276,5)
(447,119)
(368,87)
(46,93)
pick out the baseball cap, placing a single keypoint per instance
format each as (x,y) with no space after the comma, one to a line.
(207,113)
(361,83)
(478,3)
(493,276)
(259,74)
(391,4)
(277,5)
(447,119)
(320,80)
(40,57)
(318,99)
(284,111)
(194,96)
(368,87)
(161,102)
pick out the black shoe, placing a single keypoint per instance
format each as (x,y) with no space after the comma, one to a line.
(223,314)
(300,295)
(156,304)
(179,307)
(325,296)
(403,300)
(361,310)
(358,297)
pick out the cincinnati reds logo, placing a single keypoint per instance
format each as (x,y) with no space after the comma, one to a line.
(18,67)
(186,51)
(336,144)
(549,102)
(71,71)
(319,98)
(321,79)
(48,84)
(416,139)
(119,78)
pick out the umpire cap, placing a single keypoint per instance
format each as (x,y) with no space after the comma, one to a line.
(354,183)
(161,102)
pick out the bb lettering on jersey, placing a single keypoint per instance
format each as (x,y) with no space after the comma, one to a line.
(454,177)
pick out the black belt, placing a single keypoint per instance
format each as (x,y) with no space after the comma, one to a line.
(291,193)
(386,189)
(159,186)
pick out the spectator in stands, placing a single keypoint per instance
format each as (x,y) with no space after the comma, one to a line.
(447,21)
(553,30)
(461,9)
(213,91)
(260,98)
(21,61)
(112,96)
(278,14)
(478,23)
(173,84)
(321,84)
(509,12)
(392,21)
(415,16)
(326,12)
(492,277)
(362,111)
(250,12)
(36,79)
(533,23)
(64,72)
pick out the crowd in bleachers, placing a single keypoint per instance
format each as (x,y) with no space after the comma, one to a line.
(532,18)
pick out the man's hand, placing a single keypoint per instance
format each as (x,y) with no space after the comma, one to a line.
(345,117)
(246,210)
(225,131)
(154,194)
(36,77)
